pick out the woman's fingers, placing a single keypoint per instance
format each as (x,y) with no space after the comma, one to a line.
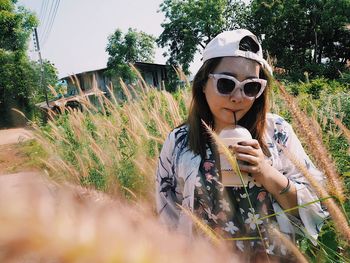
(249,168)
(253,143)
(252,160)
(245,149)
(250,156)
(249,147)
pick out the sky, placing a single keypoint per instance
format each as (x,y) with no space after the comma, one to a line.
(78,38)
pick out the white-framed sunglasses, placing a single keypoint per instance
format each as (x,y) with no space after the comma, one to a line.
(226,85)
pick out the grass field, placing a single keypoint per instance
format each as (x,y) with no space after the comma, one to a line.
(112,147)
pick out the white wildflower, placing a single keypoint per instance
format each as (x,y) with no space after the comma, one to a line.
(243,195)
(230,227)
(224,205)
(253,220)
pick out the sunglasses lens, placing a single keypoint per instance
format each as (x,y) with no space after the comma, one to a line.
(225,86)
(252,89)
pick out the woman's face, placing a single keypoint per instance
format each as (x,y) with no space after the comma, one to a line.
(223,108)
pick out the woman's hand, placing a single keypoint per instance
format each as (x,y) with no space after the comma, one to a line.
(253,158)
(255,163)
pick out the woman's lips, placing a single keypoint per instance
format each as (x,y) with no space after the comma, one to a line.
(233,111)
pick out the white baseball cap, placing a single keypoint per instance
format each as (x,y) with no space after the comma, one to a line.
(226,44)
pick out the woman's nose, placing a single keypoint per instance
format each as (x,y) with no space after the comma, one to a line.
(236,95)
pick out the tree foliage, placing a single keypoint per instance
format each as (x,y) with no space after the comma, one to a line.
(190,25)
(43,81)
(302,33)
(16,26)
(134,46)
(19,77)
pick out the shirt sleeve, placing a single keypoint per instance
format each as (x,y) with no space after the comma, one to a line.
(166,184)
(312,216)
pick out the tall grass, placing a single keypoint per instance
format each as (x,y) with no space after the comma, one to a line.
(114,146)
(314,123)
(309,130)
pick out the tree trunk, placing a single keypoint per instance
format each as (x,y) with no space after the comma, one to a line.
(316,45)
(319,56)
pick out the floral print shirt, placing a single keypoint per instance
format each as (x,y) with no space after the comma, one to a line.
(178,174)
(227,211)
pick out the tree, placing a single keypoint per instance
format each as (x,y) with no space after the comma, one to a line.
(300,33)
(190,25)
(50,78)
(132,47)
(16,72)
(16,26)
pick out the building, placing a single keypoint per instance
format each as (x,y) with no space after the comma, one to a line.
(154,74)
(95,81)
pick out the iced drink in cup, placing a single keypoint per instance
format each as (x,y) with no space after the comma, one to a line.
(230,137)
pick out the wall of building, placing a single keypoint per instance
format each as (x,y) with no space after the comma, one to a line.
(154,75)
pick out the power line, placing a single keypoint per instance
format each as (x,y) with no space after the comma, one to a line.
(50,21)
(43,10)
(43,18)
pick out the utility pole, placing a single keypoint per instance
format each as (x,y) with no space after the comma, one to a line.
(37,48)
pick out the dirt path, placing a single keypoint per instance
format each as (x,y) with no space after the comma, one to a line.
(11,136)
(12,157)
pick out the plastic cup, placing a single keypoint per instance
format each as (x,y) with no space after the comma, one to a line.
(230,137)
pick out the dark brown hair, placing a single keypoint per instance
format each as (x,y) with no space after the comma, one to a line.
(253,120)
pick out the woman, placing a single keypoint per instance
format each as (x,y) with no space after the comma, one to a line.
(231,88)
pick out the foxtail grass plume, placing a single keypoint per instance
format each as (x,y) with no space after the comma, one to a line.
(315,145)
(341,222)
(281,239)
(344,130)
